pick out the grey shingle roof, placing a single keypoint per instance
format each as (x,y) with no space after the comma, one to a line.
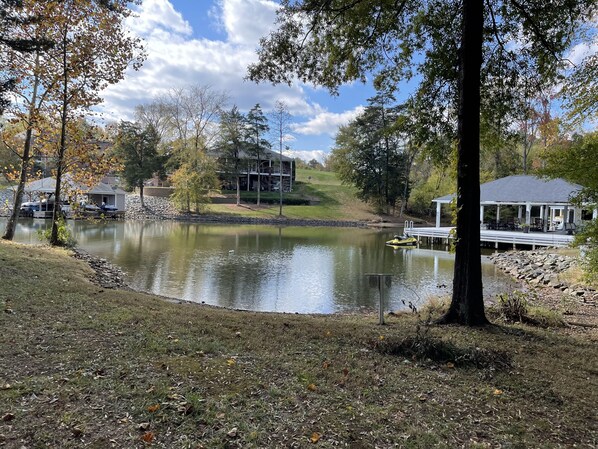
(522,189)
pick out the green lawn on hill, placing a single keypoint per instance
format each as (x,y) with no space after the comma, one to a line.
(331,200)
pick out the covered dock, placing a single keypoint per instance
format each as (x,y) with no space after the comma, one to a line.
(527,203)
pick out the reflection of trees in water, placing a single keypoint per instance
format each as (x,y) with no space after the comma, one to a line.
(269,268)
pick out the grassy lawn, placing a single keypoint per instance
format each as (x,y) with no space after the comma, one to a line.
(82,366)
(334,201)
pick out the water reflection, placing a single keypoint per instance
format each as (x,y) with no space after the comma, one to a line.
(291,269)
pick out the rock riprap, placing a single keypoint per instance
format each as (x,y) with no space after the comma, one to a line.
(541,268)
(106,275)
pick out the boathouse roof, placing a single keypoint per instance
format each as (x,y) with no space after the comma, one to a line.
(523,189)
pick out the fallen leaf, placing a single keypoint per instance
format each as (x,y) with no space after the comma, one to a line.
(148,437)
(153,408)
(450,365)
(315,437)
(326,364)
(497,392)
(220,415)
(231,362)
(381,337)
(345,372)
(312,387)
(232,432)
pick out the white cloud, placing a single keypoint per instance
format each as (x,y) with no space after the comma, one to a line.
(327,122)
(308,155)
(178,58)
(582,51)
(246,21)
(161,14)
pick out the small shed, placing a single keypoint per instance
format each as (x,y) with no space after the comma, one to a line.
(546,203)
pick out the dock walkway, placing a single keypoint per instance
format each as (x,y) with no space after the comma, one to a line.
(532,239)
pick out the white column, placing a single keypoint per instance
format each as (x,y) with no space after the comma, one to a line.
(528,213)
(438,214)
(519,213)
(481,215)
(497,213)
(595,214)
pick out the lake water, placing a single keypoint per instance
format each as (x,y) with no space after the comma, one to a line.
(267,268)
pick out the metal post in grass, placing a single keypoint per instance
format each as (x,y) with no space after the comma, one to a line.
(382,281)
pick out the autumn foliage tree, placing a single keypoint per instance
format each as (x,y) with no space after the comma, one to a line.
(92,50)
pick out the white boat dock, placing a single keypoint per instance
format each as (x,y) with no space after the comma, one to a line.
(514,238)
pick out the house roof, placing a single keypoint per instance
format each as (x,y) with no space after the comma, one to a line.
(264,156)
(522,189)
(48,185)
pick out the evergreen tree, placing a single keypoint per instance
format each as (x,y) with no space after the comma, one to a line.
(230,145)
(257,129)
(138,150)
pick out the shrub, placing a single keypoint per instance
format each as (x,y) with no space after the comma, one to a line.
(65,237)
(513,306)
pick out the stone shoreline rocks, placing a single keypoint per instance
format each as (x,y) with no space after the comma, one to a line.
(542,268)
(106,275)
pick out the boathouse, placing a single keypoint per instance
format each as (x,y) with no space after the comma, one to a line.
(527,202)
(98,194)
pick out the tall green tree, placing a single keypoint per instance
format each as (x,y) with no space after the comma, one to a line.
(257,129)
(138,150)
(231,144)
(368,154)
(465,53)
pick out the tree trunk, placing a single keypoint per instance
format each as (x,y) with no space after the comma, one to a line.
(9,232)
(62,149)
(259,178)
(141,195)
(238,190)
(467,304)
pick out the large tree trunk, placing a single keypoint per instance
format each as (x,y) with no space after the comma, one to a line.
(467,304)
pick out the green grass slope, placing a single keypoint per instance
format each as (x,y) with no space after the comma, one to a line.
(331,200)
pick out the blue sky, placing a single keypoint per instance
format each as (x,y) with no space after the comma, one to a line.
(211,42)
